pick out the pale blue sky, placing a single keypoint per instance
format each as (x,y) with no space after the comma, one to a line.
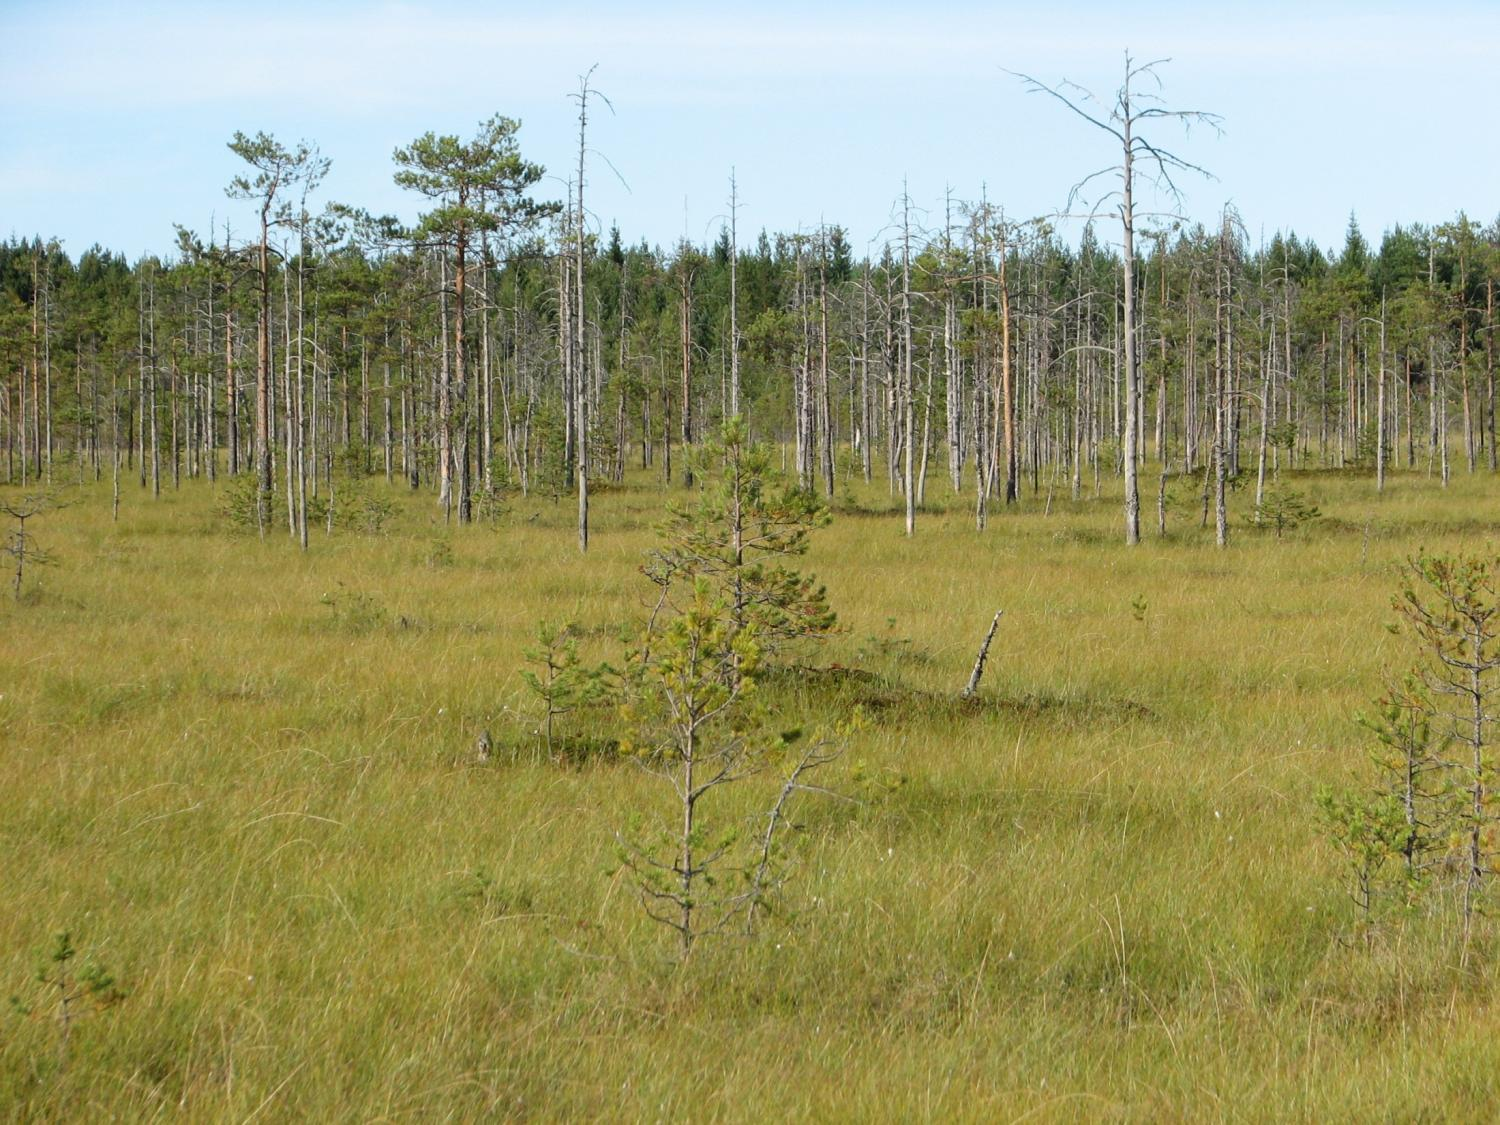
(113,116)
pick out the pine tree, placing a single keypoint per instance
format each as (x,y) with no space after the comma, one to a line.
(740,535)
(481,188)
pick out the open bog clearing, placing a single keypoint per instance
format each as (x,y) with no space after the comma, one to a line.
(245,780)
(989,611)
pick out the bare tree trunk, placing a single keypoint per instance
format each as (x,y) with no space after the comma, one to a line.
(290,350)
(1489,368)
(460,450)
(1223,360)
(685,322)
(580,380)
(984,651)
(1380,422)
(444,401)
(1132,372)
(825,421)
(1265,423)
(387,433)
(866,407)
(155,378)
(908,403)
(953,393)
(298,397)
(264,482)
(734,298)
(114,426)
(1007,382)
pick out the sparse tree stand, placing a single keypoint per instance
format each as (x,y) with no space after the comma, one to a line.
(1130,111)
(479,186)
(276,169)
(1002,435)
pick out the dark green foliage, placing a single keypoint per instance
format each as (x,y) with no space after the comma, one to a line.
(354,611)
(70,992)
(481,184)
(492,897)
(697,720)
(490,507)
(1452,606)
(351,503)
(366,513)
(1411,770)
(20,542)
(1393,834)
(1431,810)
(276,166)
(739,536)
(693,718)
(726,599)
(562,683)
(238,504)
(438,554)
(1368,831)
(550,477)
(1282,509)
(1283,435)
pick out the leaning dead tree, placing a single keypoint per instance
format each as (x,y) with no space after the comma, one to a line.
(1123,120)
(984,652)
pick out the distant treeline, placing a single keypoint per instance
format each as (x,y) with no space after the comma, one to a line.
(988,350)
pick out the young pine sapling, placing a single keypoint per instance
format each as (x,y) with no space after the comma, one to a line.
(1282,509)
(562,682)
(1368,830)
(1452,606)
(1432,809)
(20,543)
(698,725)
(67,989)
(747,523)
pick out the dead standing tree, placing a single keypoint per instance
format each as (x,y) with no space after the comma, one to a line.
(1131,110)
(577,341)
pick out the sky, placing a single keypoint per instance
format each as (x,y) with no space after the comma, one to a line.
(114,117)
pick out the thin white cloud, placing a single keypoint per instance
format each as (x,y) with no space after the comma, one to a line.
(821,109)
(401,54)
